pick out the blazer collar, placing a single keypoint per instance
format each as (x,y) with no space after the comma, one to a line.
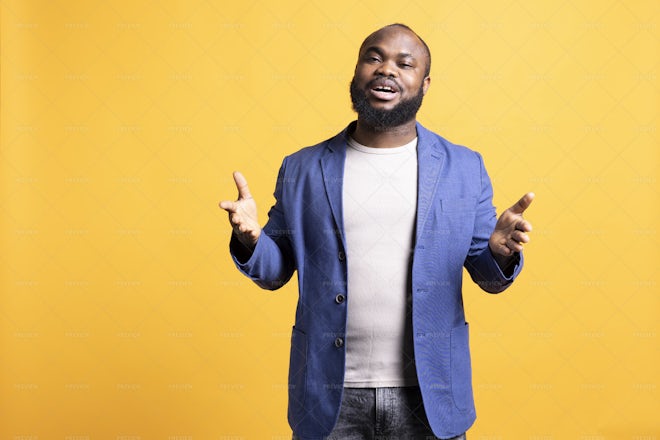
(430,159)
(332,169)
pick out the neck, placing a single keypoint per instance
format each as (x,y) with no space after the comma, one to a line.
(390,137)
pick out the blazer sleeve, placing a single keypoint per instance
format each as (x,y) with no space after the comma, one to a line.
(480,262)
(271,264)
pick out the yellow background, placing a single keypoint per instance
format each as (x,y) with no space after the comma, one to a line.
(121,314)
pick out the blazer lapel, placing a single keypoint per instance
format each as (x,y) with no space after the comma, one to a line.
(430,160)
(332,167)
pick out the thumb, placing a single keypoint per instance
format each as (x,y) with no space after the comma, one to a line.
(242,186)
(523,203)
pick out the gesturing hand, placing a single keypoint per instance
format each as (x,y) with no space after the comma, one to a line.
(511,230)
(243,213)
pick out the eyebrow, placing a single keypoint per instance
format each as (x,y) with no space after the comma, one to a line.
(379,51)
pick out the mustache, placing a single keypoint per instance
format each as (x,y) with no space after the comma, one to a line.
(384,81)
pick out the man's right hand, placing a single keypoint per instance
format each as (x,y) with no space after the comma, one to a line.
(243,213)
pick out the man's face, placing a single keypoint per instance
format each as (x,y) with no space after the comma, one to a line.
(390,78)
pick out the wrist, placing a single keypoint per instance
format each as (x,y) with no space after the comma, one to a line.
(241,249)
(506,263)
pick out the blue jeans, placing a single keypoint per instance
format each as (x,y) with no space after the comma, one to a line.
(382,414)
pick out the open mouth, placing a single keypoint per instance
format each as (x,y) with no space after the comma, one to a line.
(383,90)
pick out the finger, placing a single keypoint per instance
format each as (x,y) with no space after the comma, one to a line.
(502,249)
(524,226)
(520,237)
(242,186)
(514,246)
(523,203)
(228,205)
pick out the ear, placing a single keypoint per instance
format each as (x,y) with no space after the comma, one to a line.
(425,84)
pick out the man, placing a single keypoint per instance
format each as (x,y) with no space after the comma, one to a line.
(378,221)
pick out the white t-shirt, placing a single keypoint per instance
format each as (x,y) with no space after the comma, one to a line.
(380,201)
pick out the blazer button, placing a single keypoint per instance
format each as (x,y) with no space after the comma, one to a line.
(339,298)
(341,256)
(339,342)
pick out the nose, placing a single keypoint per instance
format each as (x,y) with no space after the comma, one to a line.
(387,68)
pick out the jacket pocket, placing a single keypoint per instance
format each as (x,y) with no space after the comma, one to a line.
(297,371)
(461,368)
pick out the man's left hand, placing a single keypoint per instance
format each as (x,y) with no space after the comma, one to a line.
(511,230)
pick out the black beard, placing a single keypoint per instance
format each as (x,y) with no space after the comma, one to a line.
(381,120)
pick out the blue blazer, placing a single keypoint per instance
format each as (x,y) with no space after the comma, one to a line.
(305,233)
